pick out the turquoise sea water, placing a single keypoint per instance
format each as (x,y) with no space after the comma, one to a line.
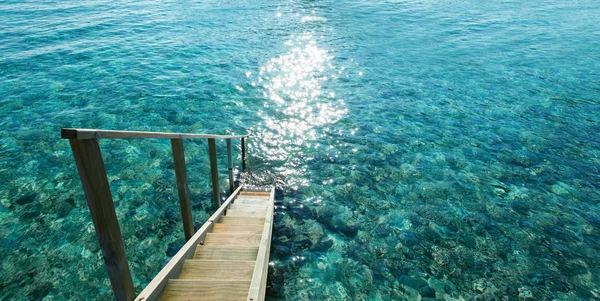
(423,150)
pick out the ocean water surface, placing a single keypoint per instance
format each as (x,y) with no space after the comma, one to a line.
(423,150)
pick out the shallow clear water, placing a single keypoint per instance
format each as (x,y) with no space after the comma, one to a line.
(423,149)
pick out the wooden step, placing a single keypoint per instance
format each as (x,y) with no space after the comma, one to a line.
(252,211)
(225,253)
(241,196)
(237,239)
(260,199)
(242,220)
(233,228)
(217,269)
(251,203)
(255,193)
(257,199)
(231,257)
(247,212)
(206,290)
(244,207)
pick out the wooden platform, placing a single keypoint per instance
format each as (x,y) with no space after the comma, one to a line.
(227,259)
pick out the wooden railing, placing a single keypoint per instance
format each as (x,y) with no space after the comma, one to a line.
(88,157)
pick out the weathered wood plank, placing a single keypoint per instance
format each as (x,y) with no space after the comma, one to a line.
(233,228)
(250,202)
(225,252)
(217,269)
(262,208)
(68,133)
(248,205)
(92,173)
(253,198)
(246,212)
(236,239)
(242,220)
(254,193)
(206,290)
(182,188)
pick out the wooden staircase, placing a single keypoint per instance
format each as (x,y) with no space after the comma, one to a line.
(226,259)
(232,260)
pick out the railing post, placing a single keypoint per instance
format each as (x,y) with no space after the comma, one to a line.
(182,188)
(243,155)
(214,171)
(92,173)
(230,167)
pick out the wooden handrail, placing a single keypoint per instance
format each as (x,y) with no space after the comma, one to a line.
(68,133)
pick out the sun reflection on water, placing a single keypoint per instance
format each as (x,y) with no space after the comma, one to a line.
(300,101)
